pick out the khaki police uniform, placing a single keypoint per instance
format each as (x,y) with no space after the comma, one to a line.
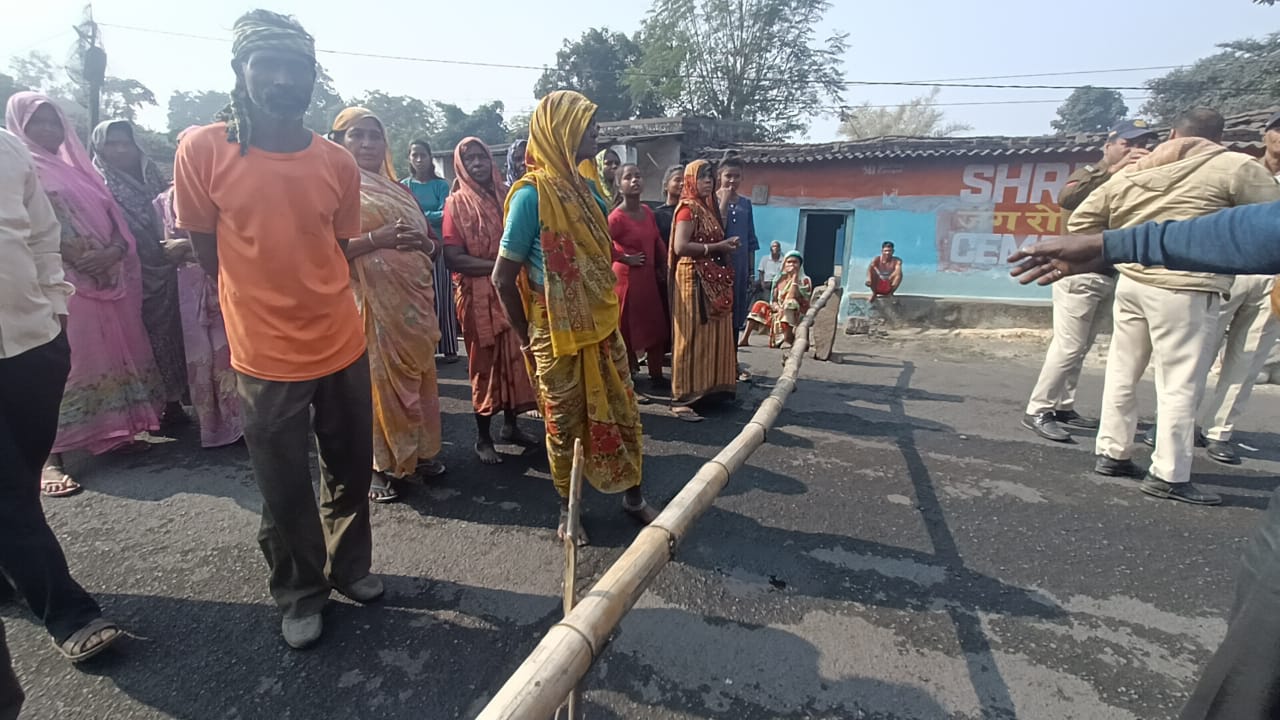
(1081,308)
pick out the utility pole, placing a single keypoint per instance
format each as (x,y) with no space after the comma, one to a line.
(94,71)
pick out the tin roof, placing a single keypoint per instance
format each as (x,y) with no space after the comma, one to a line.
(1243,133)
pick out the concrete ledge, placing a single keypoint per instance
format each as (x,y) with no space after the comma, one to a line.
(914,311)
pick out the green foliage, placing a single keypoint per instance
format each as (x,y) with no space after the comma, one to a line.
(596,65)
(918,117)
(485,122)
(1090,109)
(758,61)
(326,103)
(195,107)
(1244,76)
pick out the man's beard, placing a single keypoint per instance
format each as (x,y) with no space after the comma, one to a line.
(283,104)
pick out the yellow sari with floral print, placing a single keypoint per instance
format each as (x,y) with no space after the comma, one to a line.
(579,360)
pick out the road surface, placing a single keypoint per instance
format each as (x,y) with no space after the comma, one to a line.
(900,548)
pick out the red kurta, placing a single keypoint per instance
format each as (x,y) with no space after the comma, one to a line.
(645,325)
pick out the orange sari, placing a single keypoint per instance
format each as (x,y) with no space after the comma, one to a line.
(473,222)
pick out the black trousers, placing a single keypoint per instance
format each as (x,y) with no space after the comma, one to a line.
(309,550)
(30,558)
(11,696)
(1242,680)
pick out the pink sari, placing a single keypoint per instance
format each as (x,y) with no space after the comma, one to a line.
(210,379)
(114,390)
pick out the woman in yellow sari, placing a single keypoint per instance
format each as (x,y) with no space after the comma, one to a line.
(554,276)
(391,274)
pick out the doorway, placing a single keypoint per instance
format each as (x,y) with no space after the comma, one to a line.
(822,242)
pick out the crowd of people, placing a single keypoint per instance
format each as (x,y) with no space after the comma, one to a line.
(287,284)
(1180,321)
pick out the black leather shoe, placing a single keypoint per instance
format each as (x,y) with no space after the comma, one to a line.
(1071,418)
(1046,427)
(1117,468)
(1149,437)
(1184,492)
(1222,451)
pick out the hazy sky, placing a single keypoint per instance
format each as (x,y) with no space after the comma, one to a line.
(905,40)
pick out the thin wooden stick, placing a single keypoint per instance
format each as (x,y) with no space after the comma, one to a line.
(555,667)
(572,530)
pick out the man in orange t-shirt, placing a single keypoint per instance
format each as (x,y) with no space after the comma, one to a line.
(270,206)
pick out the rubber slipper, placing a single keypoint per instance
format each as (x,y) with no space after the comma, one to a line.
(382,492)
(68,648)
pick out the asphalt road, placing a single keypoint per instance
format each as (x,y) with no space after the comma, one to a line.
(899,549)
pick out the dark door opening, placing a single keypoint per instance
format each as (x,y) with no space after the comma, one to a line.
(823,241)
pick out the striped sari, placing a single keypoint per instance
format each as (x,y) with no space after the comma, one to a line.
(704,356)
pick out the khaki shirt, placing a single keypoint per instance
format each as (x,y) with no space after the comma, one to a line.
(1079,185)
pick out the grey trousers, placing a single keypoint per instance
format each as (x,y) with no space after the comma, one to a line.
(307,552)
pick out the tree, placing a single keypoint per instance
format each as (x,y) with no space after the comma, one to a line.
(404,118)
(194,107)
(9,86)
(918,117)
(326,103)
(1244,76)
(518,127)
(596,65)
(1090,109)
(751,60)
(485,123)
(121,97)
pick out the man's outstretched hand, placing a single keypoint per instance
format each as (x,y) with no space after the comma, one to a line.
(1052,259)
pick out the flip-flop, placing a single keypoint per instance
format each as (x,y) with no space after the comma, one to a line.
(381,491)
(64,486)
(686,415)
(72,647)
(431,468)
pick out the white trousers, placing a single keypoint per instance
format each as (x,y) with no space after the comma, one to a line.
(1081,308)
(1173,328)
(1251,330)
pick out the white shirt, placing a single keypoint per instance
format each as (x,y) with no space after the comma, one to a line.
(770,267)
(33,291)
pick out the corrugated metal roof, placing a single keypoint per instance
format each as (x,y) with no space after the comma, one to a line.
(1243,133)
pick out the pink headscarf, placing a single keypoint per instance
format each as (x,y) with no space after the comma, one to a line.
(69,174)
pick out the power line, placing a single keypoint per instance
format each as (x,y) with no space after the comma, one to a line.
(1056,74)
(848,83)
(979,102)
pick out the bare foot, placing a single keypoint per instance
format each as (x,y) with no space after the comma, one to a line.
(487,453)
(512,434)
(581,540)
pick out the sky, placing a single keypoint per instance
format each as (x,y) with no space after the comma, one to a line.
(907,40)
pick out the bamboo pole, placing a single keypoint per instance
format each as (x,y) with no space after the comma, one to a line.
(555,667)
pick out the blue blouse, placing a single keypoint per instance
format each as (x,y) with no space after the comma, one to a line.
(522,236)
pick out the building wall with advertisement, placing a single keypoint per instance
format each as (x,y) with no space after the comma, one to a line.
(954,221)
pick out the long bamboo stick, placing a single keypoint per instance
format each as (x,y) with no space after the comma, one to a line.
(565,654)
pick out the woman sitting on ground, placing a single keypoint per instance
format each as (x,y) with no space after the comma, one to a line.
(788,302)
